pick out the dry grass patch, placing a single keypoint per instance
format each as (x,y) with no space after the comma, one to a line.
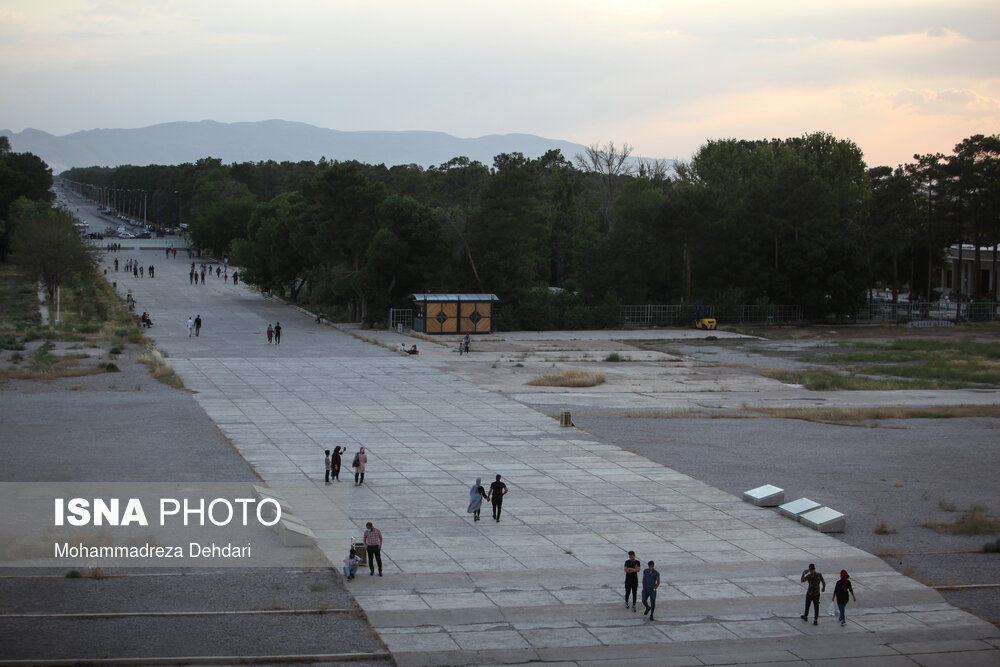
(846,415)
(658,413)
(570,377)
(975,521)
(160,368)
(44,364)
(882,529)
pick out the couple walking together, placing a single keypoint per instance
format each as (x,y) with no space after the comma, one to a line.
(650,582)
(843,592)
(496,493)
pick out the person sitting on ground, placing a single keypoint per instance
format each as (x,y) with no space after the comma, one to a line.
(351,564)
(413,350)
(402,347)
(320,317)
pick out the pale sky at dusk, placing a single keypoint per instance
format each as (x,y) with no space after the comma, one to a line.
(897,78)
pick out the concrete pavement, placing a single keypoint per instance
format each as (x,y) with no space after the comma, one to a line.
(544,584)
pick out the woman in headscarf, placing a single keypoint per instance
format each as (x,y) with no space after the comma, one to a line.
(476,495)
(841,592)
(360,459)
(335,464)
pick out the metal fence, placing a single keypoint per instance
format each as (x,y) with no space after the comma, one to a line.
(929,311)
(770,315)
(653,315)
(400,318)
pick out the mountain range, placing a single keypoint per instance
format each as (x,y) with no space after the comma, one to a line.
(278,140)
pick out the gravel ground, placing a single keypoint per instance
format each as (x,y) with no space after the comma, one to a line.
(900,473)
(128,427)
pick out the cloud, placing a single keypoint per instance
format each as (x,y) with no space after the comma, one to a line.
(949,101)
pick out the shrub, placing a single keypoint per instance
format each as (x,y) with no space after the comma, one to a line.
(569,378)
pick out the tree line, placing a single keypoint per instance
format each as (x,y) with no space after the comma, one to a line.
(565,242)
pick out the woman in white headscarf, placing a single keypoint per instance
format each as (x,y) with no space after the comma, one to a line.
(476,495)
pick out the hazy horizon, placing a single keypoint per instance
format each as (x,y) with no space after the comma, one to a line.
(897,78)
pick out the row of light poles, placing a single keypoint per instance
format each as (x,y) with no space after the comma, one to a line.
(125,200)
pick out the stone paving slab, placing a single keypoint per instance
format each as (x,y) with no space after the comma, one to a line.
(544,584)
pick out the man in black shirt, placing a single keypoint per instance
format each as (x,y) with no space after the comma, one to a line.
(632,569)
(497,491)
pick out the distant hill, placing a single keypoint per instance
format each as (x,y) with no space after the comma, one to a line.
(278,140)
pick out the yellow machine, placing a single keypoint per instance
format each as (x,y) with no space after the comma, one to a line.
(705,323)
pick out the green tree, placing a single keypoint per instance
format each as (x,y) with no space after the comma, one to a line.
(47,244)
(508,230)
(22,175)
(268,256)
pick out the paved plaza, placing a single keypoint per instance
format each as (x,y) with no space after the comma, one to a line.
(545,583)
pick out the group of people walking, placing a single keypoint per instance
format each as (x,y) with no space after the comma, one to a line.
(135,268)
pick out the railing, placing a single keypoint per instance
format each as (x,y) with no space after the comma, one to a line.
(929,311)
(770,315)
(400,318)
(652,315)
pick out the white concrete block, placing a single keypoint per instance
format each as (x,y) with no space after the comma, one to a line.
(765,496)
(797,507)
(295,534)
(825,520)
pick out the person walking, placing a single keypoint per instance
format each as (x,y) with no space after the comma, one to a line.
(190,326)
(359,463)
(351,564)
(650,582)
(816,585)
(476,495)
(373,543)
(632,569)
(150,270)
(270,333)
(497,491)
(236,278)
(277,333)
(197,325)
(335,463)
(327,466)
(841,590)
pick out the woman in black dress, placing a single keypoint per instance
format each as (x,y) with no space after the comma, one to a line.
(335,464)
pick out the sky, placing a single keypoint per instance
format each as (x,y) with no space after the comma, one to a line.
(895,77)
